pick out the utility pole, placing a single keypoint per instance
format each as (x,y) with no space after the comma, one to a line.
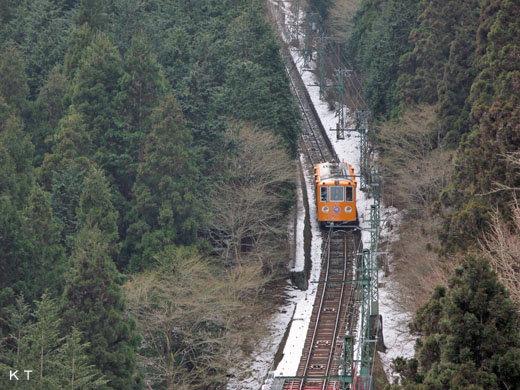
(361,128)
(340,110)
(311,28)
(321,64)
(298,22)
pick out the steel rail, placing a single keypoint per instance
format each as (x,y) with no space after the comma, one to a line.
(307,119)
(319,312)
(319,148)
(340,304)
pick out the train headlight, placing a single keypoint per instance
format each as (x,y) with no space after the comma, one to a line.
(348,209)
(325,209)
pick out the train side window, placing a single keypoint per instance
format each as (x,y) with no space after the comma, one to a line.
(323,194)
(349,194)
(336,194)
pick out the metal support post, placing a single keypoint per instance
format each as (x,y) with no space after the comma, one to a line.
(321,65)
(365,314)
(341,103)
(340,111)
(361,128)
(311,28)
(374,275)
(298,22)
(347,376)
(363,151)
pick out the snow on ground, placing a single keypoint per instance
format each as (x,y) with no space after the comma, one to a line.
(299,255)
(255,370)
(347,149)
(395,321)
(399,342)
(304,299)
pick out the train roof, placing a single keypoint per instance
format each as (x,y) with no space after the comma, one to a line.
(327,171)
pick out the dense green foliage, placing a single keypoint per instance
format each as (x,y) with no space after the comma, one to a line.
(57,357)
(320,6)
(494,126)
(460,60)
(469,335)
(165,211)
(460,57)
(114,121)
(94,305)
(379,39)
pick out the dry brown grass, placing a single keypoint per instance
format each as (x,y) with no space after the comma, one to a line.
(417,265)
(341,14)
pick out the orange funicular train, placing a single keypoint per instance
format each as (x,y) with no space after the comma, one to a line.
(336,194)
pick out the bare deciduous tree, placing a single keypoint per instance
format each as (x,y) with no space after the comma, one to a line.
(194,318)
(416,170)
(246,208)
(417,263)
(501,246)
(418,166)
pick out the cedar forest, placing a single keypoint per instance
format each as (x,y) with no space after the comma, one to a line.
(146,166)
(122,126)
(442,81)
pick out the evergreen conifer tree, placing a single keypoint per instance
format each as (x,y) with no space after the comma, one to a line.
(36,342)
(142,86)
(76,371)
(494,123)
(16,155)
(79,40)
(16,182)
(46,253)
(96,208)
(96,93)
(72,147)
(93,13)
(470,336)
(95,306)
(167,208)
(32,344)
(48,110)
(13,242)
(39,29)
(387,41)
(13,80)
(67,186)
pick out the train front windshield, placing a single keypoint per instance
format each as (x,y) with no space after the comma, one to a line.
(336,194)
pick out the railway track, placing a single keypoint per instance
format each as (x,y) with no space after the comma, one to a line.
(336,300)
(317,145)
(331,317)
